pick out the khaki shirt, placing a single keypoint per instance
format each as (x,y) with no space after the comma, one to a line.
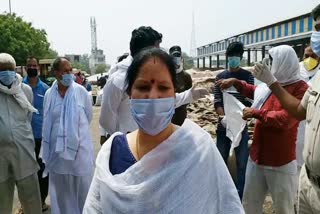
(17,155)
(311,102)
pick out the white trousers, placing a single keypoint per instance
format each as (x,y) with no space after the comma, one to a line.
(28,193)
(309,195)
(68,193)
(260,181)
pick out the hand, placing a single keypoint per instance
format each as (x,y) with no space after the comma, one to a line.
(263,73)
(226,83)
(224,122)
(198,93)
(247,113)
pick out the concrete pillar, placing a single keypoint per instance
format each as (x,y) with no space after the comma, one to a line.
(210,62)
(198,62)
(249,57)
(226,62)
(263,52)
(218,61)
(256,55)
(203,62)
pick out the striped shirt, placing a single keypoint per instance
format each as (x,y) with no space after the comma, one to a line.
(240,75)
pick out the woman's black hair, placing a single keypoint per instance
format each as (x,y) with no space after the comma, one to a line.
(142,57)
(143,37)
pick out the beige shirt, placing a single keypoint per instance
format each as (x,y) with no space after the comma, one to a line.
(17,156)
(311,102)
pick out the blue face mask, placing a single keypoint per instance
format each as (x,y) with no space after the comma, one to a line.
(7,77)
(152,115)
(234,61)
(315,42)
(67,79)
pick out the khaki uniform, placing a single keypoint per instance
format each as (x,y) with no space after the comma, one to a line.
(309,191)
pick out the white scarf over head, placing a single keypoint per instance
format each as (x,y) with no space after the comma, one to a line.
(18,94)
(285,64)
(68,135)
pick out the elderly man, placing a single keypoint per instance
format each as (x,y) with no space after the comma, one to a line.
(67,148)
(308,108)
(18,165)
(39,89)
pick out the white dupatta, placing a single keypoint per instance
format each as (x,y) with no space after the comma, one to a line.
(184,174)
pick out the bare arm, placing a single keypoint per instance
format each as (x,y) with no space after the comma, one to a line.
(288,102)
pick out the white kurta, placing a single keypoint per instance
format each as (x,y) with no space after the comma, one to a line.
(17,157)
(69,180)
(184,174)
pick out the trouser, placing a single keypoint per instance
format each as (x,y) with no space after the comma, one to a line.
(259,181)
(28,193)
(309,195)
(43,182)
(68,193)
(242,154)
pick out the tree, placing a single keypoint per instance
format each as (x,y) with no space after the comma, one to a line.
(188,62)
(101,68)
(21,39)
(83,64)
(52,54)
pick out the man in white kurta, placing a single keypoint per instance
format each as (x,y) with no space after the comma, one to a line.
(18,165)
(67,148)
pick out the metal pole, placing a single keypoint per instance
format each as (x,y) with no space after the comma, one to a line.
(10,6)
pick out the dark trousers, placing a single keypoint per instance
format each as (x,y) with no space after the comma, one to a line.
(241,152)
(43,182)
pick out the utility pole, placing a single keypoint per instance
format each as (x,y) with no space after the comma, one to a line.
(10,6)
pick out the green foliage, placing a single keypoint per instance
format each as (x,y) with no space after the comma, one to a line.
(51,54)
(83,65)
(101,68)
(21,39)
(187,61)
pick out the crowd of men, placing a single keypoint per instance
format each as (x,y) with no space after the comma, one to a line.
(46,146)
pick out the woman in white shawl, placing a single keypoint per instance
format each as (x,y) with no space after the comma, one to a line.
(161,167)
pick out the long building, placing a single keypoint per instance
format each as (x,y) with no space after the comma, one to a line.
(295,32)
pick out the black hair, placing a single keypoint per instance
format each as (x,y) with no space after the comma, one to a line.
(143,37)
(235,49)
(122,57)
(316,12)
(33,57)
(57,62)
(142,57)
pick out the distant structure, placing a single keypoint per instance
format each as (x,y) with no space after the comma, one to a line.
(97,57)
(295,32)
(193,44)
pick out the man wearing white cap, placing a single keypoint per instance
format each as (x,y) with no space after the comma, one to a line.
(18,164)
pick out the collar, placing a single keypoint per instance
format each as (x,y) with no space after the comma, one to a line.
(26,80)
